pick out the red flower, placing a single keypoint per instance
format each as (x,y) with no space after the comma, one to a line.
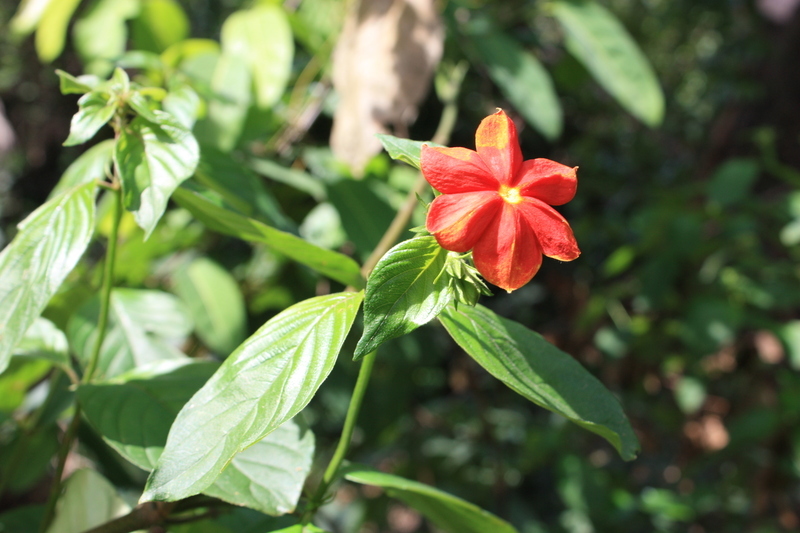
(498,205)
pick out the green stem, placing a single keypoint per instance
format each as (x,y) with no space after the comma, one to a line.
(102,324)
(108,283)
(347,432)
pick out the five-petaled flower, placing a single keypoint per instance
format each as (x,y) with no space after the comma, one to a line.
(498,205)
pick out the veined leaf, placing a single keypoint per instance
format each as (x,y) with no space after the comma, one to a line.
(523,80)
(406,290)
(599,41)
(153,159)
(448,512)
(95,109)
(93,164)
(403,150)
(215,302)
(264,383)
(144,327)
(262,36)
(327,262)
(540,372)
(49,244)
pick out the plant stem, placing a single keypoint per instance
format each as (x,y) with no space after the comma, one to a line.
(102,324)
(347,431)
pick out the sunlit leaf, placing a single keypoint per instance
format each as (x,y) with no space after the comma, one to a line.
(599,41)
(160,23)
(540,372)
(153,159)
(93,164)
(403,150)
(101,33)
(44,340)
(406,289)
(264,383)
(448,512)
(51,31)
(50,242)
(95,109)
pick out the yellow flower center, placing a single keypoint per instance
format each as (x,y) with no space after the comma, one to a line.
(510,194)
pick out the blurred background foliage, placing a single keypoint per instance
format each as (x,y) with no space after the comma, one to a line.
(684,302)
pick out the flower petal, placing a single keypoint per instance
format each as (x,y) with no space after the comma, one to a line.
(497,143)
(456,170)
(552,230)
(550,182)
(458,220)
(508,254)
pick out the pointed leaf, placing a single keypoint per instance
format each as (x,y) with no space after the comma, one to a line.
(523,80)
(88,501)
(448,512)
(94,111)
(540,372)
(265,382)
(144,327)
(69,84)
(263,37)
(403,150)
(268,476)
(599,41)
(406,290)
(93,164)
(138,102)
(215,302)
(153,159)
(327,262)
(49,244)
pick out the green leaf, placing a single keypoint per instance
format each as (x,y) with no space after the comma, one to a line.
(300,528)
(448,512)
(406,290)
(522,79)
(69,84)
(101,33)
(403,150)
(182,103)
(144,326)
(20,376)
(540,372)
(264,383)
(95,109)
(27,17)
(329,263)
(364,214)
(297,179)
(51,32)
(599,41)
(269,475)
(93,164)
(215,303)
(88,501)
(25,455)
(153,159)
(44,340)
(227,110)
(49,244)
(263,37)
(140,105)
(160,24)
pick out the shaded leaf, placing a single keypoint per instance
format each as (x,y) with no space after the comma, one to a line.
(101,33)
(329,263)
(406,289)
(160,23)
(49,244)
(522,79)
(44,340)
(227,110)
(153,159)
(599,41)
(540,372)
(264,383)
(215,303)
(144,326)
(88,501)
(448,512)
(365,216)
